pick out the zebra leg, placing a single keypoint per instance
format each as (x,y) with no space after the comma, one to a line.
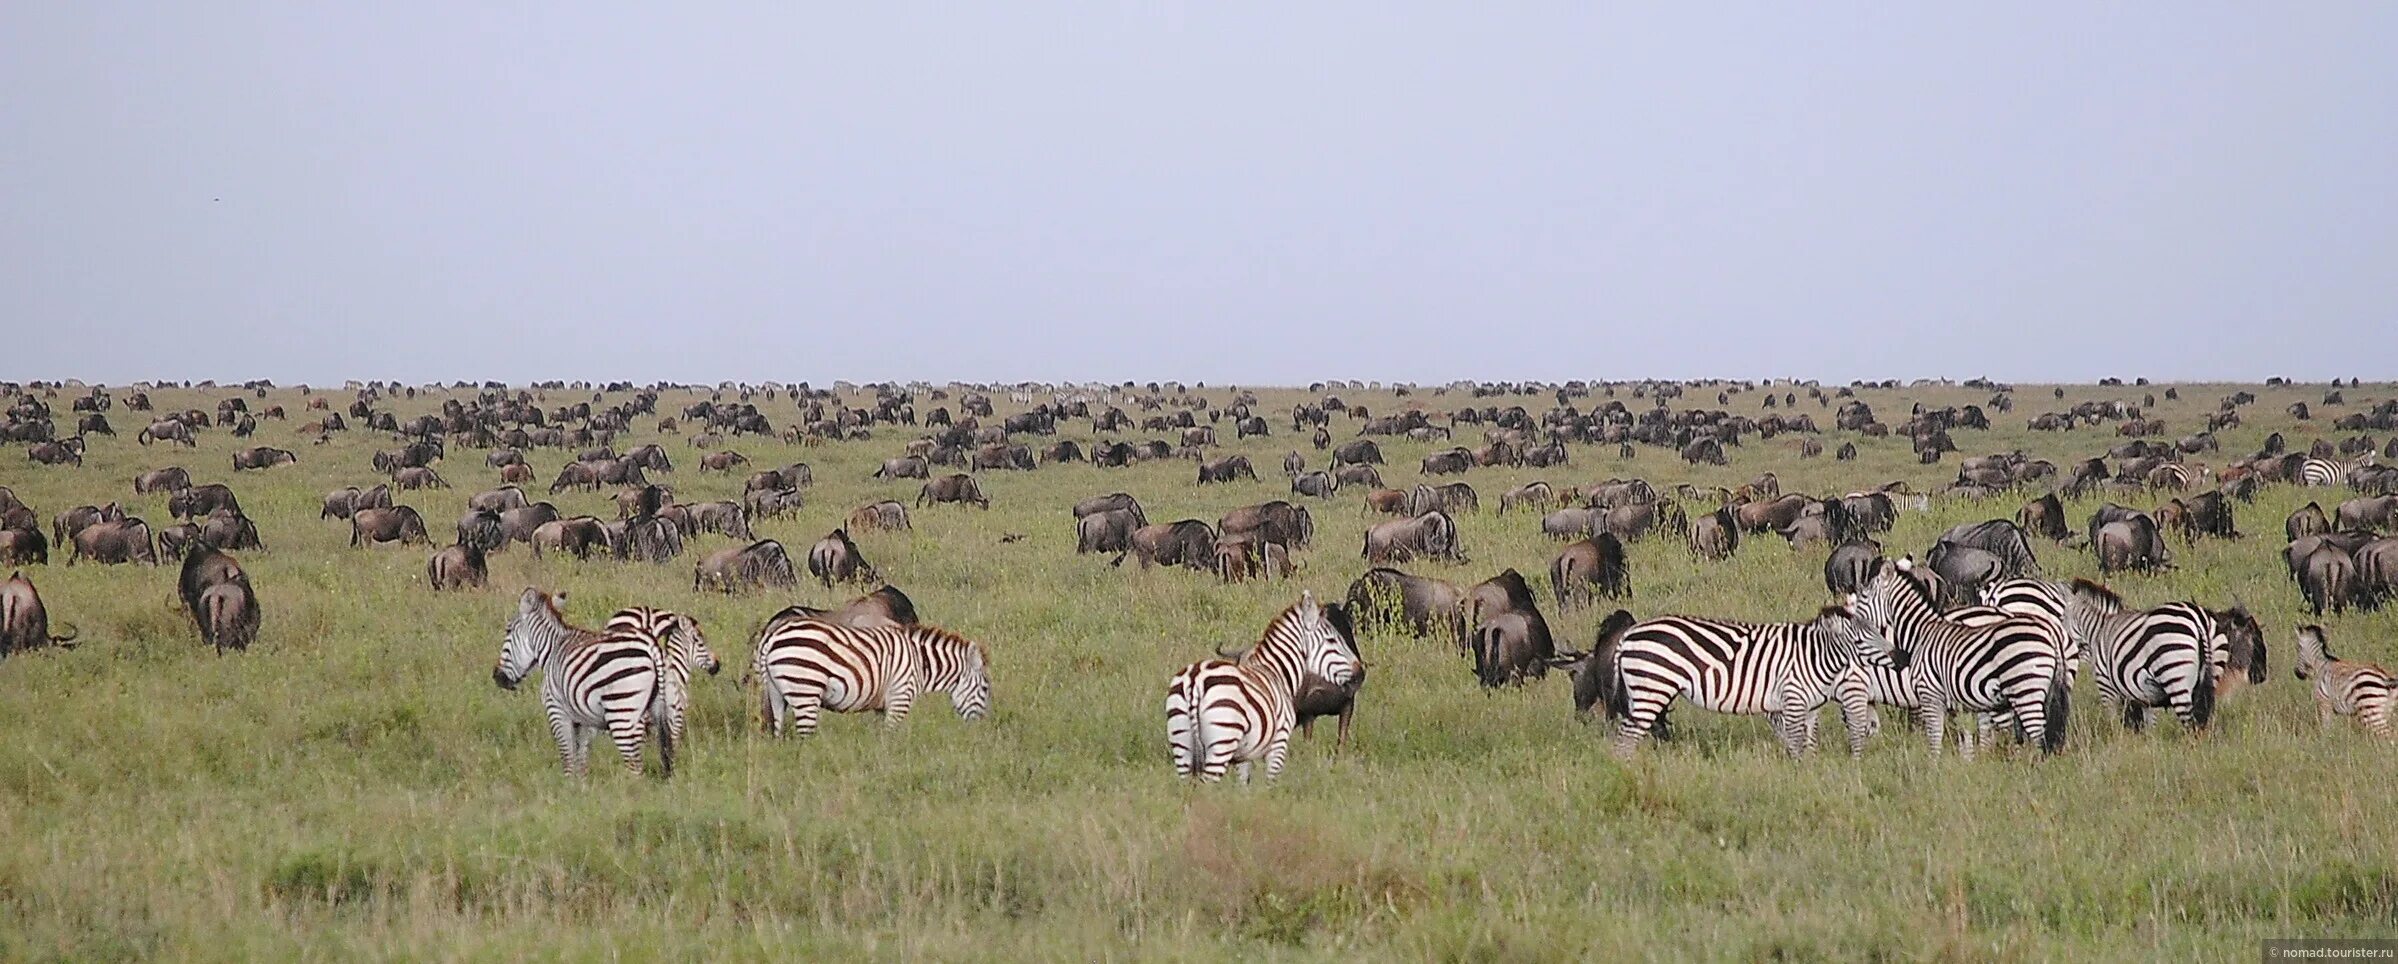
(2325,713)
(1856,713)
(2135,716)
(1278,752)
(1932,716)
(625,731)
(805,710)
(568,743)
(896,705)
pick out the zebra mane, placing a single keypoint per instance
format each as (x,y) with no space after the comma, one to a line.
(2087,589)
(1284,618)
(937,638)
(1834,612)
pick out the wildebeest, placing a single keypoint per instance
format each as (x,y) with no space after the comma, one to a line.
(227,529)
(168,479)
(414,477)
(1244,557)
(1510,638)
(904,467)
(1715,536)
(112,543)
(2366,512)
(1432,535)
(1319,484)
(1453,498)
(25,624)
(200,500)
(1319,697)
(460,566)
(481,529)
(497,500)
(1849,566)
(1361,451)
(1569,523)
(2327,578)
(2044,517)
(1416,605)
(1189,543)
(1595,564)
(2307,521)
(1110,501)
(957,488)
(23,546)
(1109,530)
(885,516)
(1227,469)
(2003,540)
(517,525)
(227,613)
(1451,462)
(1278,522)
(399,524)
(580,536)
(68,523)
(262,457)
(1532,495)
(835,558)
(2131,543)
(1357,473)
(757,565)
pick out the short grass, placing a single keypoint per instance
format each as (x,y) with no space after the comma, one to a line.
(355,786)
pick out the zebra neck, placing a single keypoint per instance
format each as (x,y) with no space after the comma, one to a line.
(1277,660)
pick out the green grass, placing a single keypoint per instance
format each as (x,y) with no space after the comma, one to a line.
(355,786)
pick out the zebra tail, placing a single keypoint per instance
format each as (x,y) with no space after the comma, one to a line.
(1612,692)
(2060,708)
(659,723)
(2202,694)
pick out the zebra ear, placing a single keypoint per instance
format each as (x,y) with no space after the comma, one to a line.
(1906,563)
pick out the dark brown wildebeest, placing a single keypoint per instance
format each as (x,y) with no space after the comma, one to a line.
(1319,484)
(460,566)
(1111,501)
(113,543)
(575,475)
(1849,566)
(200,500)
(1279,522)
(1244,557)
(2044,517)
(1532,495)
(413,477)
(2131,543)
(721,461)
(883,607)
(755,566)
(501,499)
(2245,637)
(1318,697)
(1227,469)
(835,558)
(262,457)
(2369,512)
(68,523)
(518,524)
(1592,565)
(227,613)
(22,546)
(177,539)
(1453,498)
(2327,578)
(956,488)
(1570,523)
(1358,473)
(904,467)
(1188,543)
(580,536)
(1432,535)
(1109,530)
(1417,605)
(24,623)
(399,524)
(227,529)
(2307,521)
(1358,451)
(1452,462)
(481,529)
(885,516)
(1510,639)
(168,479)
(1715,536)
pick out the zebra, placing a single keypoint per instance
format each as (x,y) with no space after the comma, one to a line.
(2344,688)
(1784,671)
(2316,471)
(2166,656)
(1240,709)
(806,665)
(589,681)
(682,649)
(2010,663)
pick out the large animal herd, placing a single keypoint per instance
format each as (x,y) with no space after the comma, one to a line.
(1973,631)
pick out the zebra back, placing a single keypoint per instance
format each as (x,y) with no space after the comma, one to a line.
(954,665)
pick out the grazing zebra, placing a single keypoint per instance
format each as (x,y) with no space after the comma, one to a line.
(1784,671)
(2321,472)
(2166,656)
(682,648)
(2011,663)
(807,665)
(589,681)
(1240,709)
(2343,688)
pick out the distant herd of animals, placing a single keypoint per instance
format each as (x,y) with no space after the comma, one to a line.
(1974,627)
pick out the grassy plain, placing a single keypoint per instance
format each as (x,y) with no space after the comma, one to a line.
(355,787)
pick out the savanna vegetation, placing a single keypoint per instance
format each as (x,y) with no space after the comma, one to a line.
(353,785)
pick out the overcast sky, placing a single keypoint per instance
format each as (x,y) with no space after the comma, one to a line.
(1260,193)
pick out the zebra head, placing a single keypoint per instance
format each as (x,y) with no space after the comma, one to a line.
(532,632)
(694,645)
(957,666)
(1873,610)
(1323,650)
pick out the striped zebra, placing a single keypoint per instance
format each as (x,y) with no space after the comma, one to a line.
(682,649)
(2343,688)
(589,681)
(807,665)
(2166,656)
(1783,671)
(2010,663)
(1240,709)
(2317,471)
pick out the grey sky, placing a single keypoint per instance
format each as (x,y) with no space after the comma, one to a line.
(1267,193)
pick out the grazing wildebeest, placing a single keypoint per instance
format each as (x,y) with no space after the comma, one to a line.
(517,525)
(757,565)
(2044,517)
(1361,451)
(904,467)
(1452,498)
(1189,542)
(1111,501)
(1510,639)
(460,566)
(1533,495)
(68,523)
(1452,462)
(1387,501)
(113,543)
(1244,557)
(886,516)
(2307,521)
(23,546)
(1416,605)
(1432,535)
(835,558)
(227,614)
(1847,569)
(1358,473)
(2327,578)
(2366,512)
(398,524)
(1278,522)
(1319,484)
(957,488)
(581,536)
(1595,564)
(1715,535)
(200,500)
(501,499)
(25,624)
(168,479)
(481,529)
(2131,543)
(1226,469)
(227,529)
(1570,523)
(1105,531)
(262,457)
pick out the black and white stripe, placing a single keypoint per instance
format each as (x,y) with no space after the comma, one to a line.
(2011,663)
(2168,656)
(2321,471)
(681,649)
(807,665)
(589,681)
(1783,671)
(1226,712)
(2343,687)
